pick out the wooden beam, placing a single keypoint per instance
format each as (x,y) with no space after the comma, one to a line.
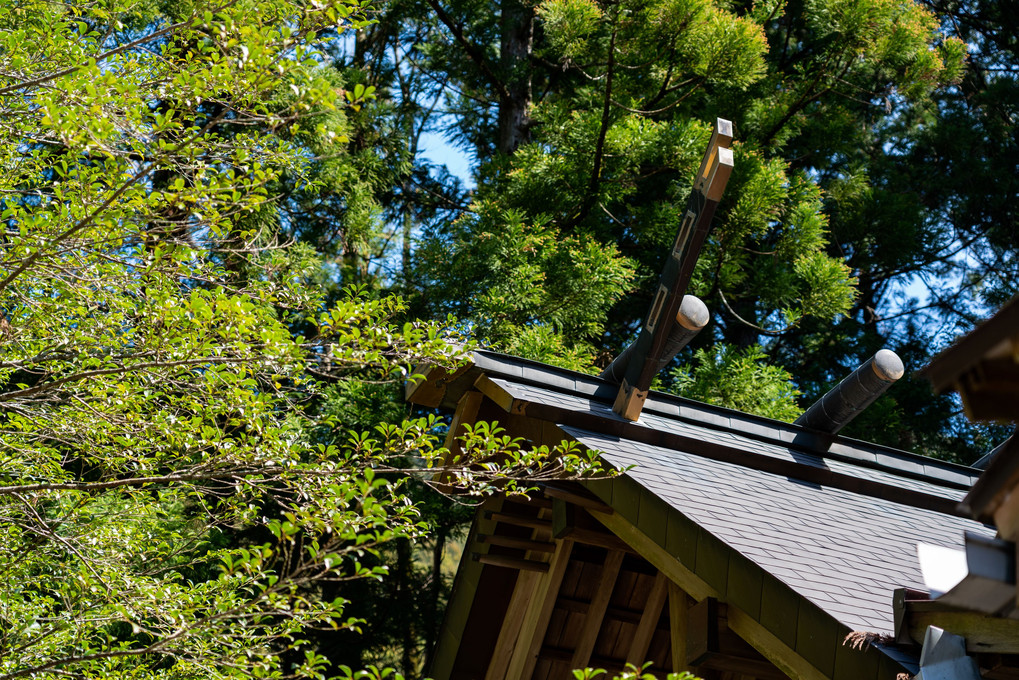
(517,520)
(649,621)
(679,616)
(512,562)
(656,555)
(518,543)
(647,355)
(600,539)
(983,633)
(571,604)
(523,592)
(759,637)
(596,612)
(566,518)
(494,392)
(771,648)
(539,611)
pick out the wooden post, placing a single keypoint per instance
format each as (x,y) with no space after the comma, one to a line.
(679,607)
(648,350)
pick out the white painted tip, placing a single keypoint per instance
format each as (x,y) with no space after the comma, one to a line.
(693,313)
(888,365)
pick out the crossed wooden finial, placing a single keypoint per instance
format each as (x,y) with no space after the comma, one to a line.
(646,356)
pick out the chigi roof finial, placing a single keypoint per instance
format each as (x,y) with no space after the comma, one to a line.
(638,364)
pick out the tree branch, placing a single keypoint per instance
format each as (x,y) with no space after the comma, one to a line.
(473,51)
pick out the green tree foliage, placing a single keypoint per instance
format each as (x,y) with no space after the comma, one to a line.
(609,131)
(915,193)
(180,490)
(528,288)
(721,376)
(585,121)
(870,155)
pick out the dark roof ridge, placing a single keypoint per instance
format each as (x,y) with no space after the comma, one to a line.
(846,449)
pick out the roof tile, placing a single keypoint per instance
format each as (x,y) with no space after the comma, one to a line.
(842,551)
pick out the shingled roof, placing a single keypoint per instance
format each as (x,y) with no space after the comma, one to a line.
(806,535)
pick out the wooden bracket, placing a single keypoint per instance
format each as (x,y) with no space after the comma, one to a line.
(702,631)
(629,401)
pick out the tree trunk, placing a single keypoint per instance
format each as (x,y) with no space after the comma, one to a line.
(406,596)
(517,26)
(435,592)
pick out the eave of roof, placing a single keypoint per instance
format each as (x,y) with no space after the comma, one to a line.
(679,409)
(945,369)
(999,479)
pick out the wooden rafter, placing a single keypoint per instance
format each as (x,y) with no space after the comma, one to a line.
(596,612)
(523,592)
(649,621)
(566,519)
(656,555)
(584,500)
(494,392)
(577,606)
(520,520)
(539,611)
(518,543)
(771,648)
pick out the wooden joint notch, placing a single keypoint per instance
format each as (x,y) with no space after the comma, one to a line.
(721,170)
(717,163)
(511,562)
(702,631)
